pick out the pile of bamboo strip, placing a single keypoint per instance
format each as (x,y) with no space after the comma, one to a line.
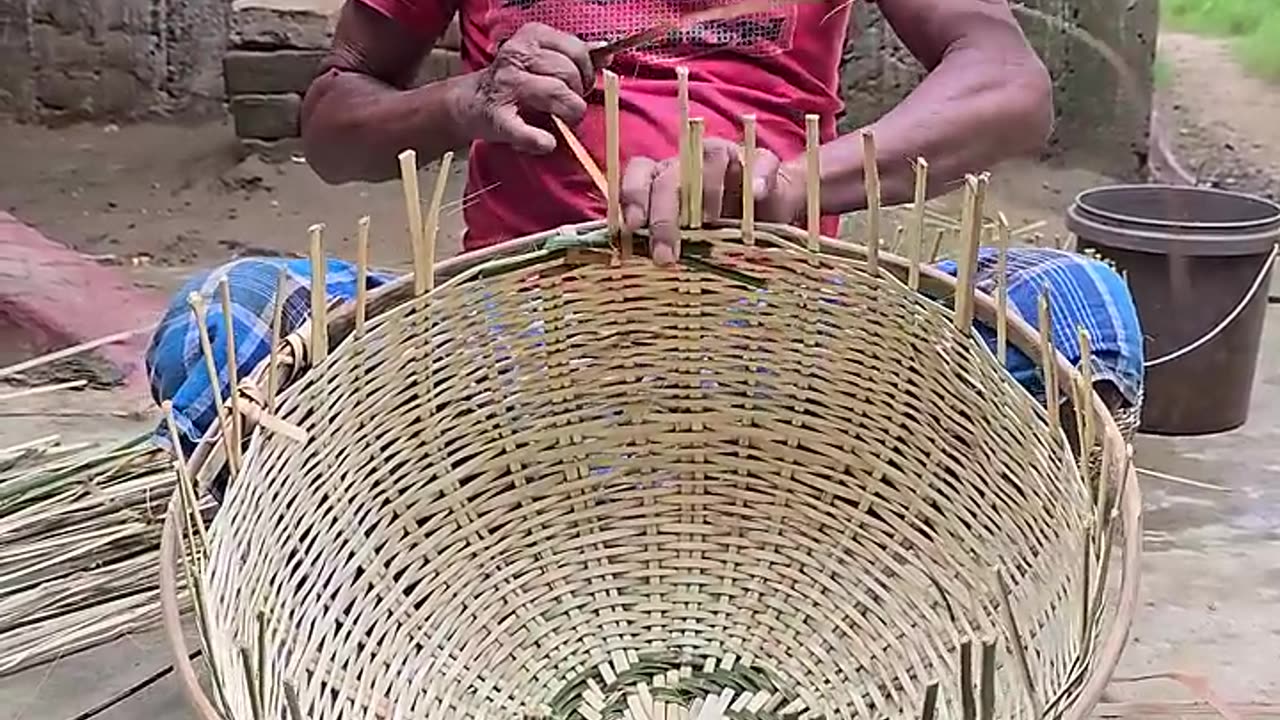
(79,545)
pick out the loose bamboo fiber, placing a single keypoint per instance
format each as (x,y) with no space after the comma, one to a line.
(768,483)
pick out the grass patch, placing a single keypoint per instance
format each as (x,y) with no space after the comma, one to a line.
(1253,25)
(1163,73)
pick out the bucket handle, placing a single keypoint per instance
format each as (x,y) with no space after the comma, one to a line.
(1217,330)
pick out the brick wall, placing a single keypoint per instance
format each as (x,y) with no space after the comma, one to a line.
(275,53)
(110,59)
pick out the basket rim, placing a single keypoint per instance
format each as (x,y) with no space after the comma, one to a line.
(1020,335)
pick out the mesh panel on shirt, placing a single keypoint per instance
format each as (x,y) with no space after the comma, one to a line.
(759,34)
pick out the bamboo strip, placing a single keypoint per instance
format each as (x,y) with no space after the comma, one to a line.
(966,266)
(697,130)
(199,310)
(319,296)
(613,154)
(871,181)
(1002,290)
(1048,356)
(748,179)
(277,321)
(431,232)
(362,274)
(683,159)
(413,213)
(44,390)
(233,370)
(917,222)
(813,181)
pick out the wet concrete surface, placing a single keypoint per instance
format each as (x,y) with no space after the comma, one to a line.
(1210,593)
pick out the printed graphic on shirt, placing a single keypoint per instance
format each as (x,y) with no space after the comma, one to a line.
(760,34)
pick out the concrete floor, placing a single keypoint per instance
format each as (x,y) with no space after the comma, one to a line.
(1211,584)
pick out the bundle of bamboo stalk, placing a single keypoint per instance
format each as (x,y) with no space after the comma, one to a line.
(79,537)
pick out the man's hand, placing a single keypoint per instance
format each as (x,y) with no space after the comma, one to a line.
(537,70)
(651,193)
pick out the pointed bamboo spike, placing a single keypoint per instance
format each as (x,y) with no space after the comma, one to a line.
(251,682)
(612,155)
(871,181)
(987,684)
(291,701)
(917,222)
(1002,290)
(968,707)
(697,128)
(1048,361)
(431,231)
(233,369)
(413,211)
(224,424)
(682,93)
(277,320)
(187,491)
(319,296)
(813,181)
(966,264)
(930,709)
(1015,643)
(748,179)
(362,273)
(937,245)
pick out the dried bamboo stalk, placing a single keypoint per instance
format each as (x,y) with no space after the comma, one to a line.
(871,180)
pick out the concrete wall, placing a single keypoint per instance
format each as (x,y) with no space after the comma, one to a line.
(1103,103)
(100,59)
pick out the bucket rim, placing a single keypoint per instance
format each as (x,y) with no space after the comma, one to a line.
(1081,201)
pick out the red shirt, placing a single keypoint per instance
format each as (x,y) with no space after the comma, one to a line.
(760,64)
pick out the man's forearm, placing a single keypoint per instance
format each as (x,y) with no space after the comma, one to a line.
(354,126)
(971,112)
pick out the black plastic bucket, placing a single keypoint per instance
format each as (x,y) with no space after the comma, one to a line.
(1198,263)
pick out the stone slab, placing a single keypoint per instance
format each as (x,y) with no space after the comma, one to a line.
(279,71)
(266,117)
(262,24)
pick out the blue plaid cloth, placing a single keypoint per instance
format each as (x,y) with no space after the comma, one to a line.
(1083,293)
(175,361)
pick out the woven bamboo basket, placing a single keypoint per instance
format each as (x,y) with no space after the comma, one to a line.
(551,480)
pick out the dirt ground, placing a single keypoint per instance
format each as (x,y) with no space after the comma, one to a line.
(1225,125)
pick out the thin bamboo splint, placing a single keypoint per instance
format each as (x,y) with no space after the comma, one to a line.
(548,481)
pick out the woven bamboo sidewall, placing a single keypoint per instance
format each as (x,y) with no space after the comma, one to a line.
(553,469)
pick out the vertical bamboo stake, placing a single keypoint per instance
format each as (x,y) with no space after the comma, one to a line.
(1084,405)
(917,222)
(291,701)
(362,273)
(987,682)
(186,485)
(432,227)
(277,320)
(682,93)
(1015,642)
(937,245)
(233,368)
(813,181)
(871,181)
(748,179)
(1048,358)
(262,655)
(201,315)
(968,705)
(413,209)
(966,265)
(613,156)
(319,296)
(697,129)
(1002,289)
(251,680)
